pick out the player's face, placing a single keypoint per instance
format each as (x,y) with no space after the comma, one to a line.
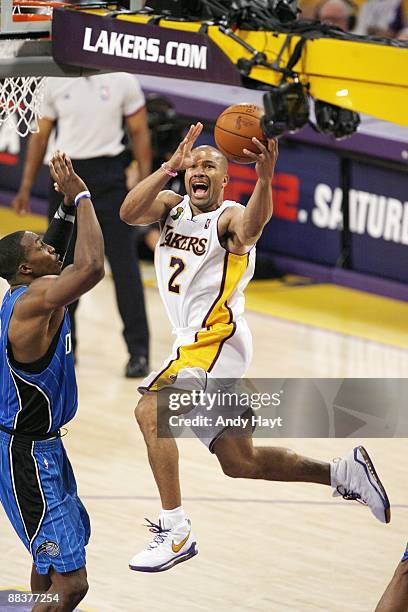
(41,258)
(206,178)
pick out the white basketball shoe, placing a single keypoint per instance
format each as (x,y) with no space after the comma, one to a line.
(354,477)
(168,548)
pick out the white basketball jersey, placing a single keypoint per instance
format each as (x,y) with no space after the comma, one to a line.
(200,283)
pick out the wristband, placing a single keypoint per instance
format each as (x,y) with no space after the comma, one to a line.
(66,213)
(169,171)
(82,194)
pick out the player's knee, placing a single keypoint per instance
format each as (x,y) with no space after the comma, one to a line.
(402,570)
(233,469)
(75,589)
(240,467)
(145,413)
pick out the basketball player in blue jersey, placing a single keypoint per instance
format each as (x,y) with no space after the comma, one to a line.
(38,392)
(395,597)
(204,259)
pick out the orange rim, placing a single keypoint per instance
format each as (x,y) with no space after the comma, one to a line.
(31,17)
(39,3)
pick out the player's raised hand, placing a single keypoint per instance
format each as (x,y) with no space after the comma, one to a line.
(66,181)
(182,158)
(265,160)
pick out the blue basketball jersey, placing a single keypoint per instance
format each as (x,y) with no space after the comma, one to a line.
(36,402)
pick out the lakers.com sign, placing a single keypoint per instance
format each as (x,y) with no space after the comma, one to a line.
(94,41)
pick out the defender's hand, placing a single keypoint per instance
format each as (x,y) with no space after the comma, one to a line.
(66,180)
(266,158)
(182,158)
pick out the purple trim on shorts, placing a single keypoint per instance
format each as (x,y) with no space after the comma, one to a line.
(164,369)
(234,327)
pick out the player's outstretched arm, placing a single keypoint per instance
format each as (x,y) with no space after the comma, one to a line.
(259,209)
(246,226)
(51,292)
(147,202)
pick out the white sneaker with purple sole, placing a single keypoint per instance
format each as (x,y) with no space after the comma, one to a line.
(354,477)
(168,548)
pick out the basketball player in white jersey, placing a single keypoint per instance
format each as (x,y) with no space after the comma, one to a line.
(204,260)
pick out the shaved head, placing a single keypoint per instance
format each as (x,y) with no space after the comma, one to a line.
(204,150)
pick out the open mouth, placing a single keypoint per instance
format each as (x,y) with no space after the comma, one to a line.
(200,189)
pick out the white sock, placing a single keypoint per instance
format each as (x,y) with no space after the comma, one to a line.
(337,472)
(333,474)
(172,518)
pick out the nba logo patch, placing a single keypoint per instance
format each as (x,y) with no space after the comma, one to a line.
(46,463)
(105,93)
(207,224)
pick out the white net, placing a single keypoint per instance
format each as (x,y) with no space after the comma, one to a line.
(21,98)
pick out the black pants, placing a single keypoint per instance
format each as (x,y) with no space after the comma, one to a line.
(105,179)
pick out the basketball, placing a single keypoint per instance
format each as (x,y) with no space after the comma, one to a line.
(234,130)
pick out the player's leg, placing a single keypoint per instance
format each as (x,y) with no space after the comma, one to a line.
(395,597)
(40,583)
(353,477)
(58,548)
(239,458)
(173,541)
(67,591)
(162,453)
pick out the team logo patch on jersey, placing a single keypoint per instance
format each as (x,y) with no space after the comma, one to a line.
(48,548)
(178,213)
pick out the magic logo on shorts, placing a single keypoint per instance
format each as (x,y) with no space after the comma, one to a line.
(48,548)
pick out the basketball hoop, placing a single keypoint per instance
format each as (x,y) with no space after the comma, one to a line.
(34,10)
(20,96)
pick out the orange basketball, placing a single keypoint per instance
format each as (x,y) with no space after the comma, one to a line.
(235,128)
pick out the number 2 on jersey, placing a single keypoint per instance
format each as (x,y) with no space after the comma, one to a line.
(179,265)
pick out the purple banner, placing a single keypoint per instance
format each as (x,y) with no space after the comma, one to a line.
(379,221)
(93,41)
(296,228)
(308,220)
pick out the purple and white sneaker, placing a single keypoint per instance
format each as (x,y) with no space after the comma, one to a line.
(168,548)
(354,477)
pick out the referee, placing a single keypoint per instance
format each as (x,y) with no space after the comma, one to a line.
(87,116)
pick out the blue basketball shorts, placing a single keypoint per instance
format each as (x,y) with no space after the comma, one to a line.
(39,495)
(405,555)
